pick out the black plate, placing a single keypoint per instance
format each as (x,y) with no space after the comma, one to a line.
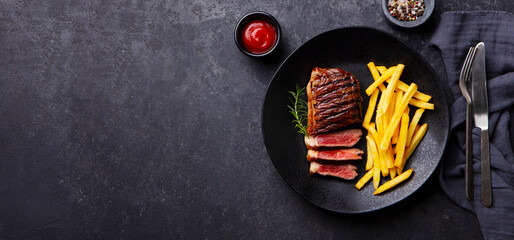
(350,49)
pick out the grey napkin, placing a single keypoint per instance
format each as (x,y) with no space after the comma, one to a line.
(456,32)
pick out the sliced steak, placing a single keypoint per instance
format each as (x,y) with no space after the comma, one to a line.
(344,171)
(345,138)
(334,100)
(335,154)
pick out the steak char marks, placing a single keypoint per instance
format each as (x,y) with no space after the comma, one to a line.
(334,100)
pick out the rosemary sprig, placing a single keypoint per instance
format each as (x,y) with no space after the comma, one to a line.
(299,109)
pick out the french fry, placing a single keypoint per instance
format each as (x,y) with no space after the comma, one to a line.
(374,72)
(365,179)
(384,121)
(371,108)
(380,126)
(376,76)
(372,131)
(384,118)
(394,140)
(421,104)
(392,172)
(418,95)
(393,82)
(383,163)
(369,162)
(421,96)
(386,139)
(390,109)
(379,81)
(403,86)
(416,139)
(393,182)
(376,174)
(400,147)
(381,101)
(378,139)
(413,124)
(399,96)
(389,157)
(382,87)
(376,161)
(381,69)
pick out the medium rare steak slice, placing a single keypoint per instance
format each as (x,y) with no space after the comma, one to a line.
(344,171)
(335,155)
(334,100)
(345,138)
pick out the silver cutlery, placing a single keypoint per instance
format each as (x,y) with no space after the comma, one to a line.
(464,79)
(481,114)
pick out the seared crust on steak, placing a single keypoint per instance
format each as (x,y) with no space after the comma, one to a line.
(334,100)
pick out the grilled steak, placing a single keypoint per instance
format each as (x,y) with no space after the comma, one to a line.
(345,138)
(334,100)
(335,155)
(344,171)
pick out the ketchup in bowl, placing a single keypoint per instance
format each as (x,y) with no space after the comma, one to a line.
(257,34)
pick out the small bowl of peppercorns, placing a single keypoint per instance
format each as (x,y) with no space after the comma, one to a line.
(408,14)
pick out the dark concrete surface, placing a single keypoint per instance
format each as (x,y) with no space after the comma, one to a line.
(141,120)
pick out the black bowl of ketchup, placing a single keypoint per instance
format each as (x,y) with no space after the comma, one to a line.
(257,34)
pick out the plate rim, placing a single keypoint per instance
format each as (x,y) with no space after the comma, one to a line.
(423,59)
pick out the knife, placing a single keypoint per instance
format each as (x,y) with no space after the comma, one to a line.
(481,114)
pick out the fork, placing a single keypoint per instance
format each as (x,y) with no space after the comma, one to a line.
(464,79)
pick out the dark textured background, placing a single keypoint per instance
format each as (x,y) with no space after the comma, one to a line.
(141,120)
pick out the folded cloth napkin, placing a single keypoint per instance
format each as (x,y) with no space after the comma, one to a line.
(456,32)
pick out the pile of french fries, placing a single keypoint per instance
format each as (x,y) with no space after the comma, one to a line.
(393,137)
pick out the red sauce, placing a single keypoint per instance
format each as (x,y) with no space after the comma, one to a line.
(259,36)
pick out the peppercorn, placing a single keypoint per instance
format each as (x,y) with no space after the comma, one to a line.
(406,10)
